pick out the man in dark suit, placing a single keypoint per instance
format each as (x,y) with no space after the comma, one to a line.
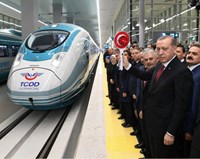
(193,60)
(150,59)
(168,98)
(180,52)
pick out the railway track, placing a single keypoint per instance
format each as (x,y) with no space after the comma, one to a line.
(32,134)
(42,133)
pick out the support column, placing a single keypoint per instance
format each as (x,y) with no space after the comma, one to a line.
(197,23)
(131,21)
(141,22)
(57,11)
(29,17)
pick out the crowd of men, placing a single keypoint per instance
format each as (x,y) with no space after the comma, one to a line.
(157,92)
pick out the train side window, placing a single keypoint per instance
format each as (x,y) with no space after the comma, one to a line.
(15,49)
(3,51)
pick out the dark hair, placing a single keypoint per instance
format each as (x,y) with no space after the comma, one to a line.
(196,45)
(180,45)
(138,48)
(127,52)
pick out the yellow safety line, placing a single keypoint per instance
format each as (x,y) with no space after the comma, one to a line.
(119,144)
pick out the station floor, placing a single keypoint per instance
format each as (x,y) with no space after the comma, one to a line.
(119,143)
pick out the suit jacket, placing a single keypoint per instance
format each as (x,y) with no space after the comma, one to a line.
(133,81)
(192,114)
(196,136)
(168,98)
(197,123)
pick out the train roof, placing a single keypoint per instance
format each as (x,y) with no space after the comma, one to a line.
(61,26)
(10,35)
(12,32)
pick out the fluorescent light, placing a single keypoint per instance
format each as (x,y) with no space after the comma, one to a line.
(10,7)
(162,20)
(185,24)
(18,11)
(98,14)
(42,22)
(187,10)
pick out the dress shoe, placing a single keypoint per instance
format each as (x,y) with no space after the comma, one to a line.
(139,146)
(132,133)
(126,125)
(136,132)
(143,151)
(121,117)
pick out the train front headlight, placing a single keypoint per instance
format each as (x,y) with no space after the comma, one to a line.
(18,59)
(57,58)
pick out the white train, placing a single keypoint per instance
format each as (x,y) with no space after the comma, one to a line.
(52,67)
(10,42)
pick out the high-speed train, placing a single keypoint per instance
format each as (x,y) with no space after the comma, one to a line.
(52,67)
(10,42)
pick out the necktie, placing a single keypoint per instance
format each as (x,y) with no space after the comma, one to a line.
(160,71)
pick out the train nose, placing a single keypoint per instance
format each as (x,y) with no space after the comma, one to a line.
(41,86)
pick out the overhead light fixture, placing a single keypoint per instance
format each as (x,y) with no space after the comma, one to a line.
(185,24)
(162,20)
(198,6)
(99,21)
(5,5)
(192,3)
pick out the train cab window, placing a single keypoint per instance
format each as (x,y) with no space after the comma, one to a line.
(46,40)
(3,51)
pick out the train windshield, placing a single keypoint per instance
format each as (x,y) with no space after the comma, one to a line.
(46,40)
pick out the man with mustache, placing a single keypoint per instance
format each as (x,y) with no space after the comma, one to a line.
(193,61)
(168,98)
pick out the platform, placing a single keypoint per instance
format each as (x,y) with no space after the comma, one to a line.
(102,135)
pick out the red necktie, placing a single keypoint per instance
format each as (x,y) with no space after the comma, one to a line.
(160,71)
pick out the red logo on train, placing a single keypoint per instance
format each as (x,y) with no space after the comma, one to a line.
(31,76)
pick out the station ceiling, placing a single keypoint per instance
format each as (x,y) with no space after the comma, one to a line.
(85,13)
(81,12)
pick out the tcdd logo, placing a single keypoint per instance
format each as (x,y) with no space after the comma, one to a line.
(29,76)
(30,84)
